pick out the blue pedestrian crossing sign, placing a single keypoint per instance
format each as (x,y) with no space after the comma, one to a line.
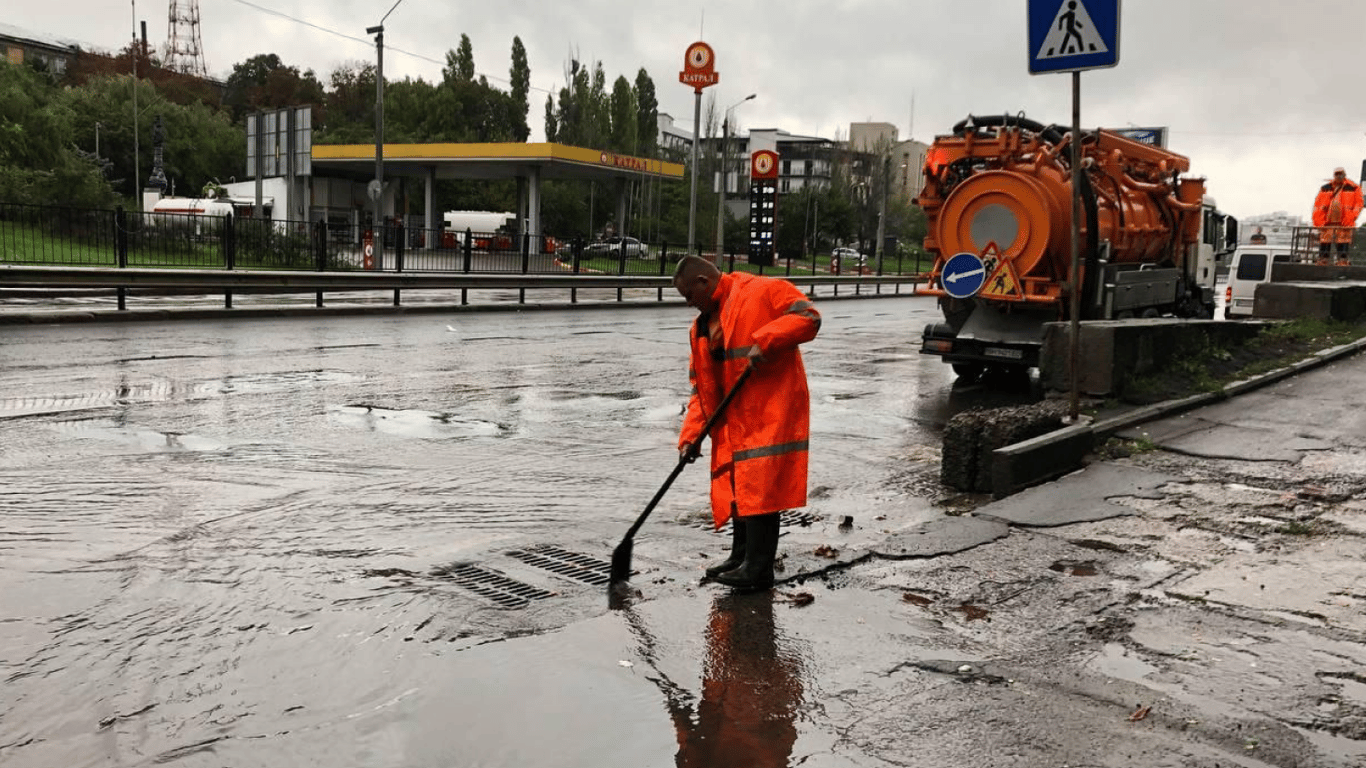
(963,275)
(1072,35)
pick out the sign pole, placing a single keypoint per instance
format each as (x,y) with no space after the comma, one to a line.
(699,71)
(1071,36)
(696,140)
(1074,338)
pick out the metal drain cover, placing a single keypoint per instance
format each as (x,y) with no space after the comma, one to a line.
(802,518)
(562,562)
(492,585)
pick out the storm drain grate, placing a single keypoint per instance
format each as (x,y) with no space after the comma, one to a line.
(798,518)
(562,562)
(506,592)
(787,519)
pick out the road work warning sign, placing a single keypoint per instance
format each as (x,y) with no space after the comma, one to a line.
(1002,284)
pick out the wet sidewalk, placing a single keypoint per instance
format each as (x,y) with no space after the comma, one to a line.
(1198,602)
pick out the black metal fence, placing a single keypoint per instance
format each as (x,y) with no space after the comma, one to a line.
(64,236)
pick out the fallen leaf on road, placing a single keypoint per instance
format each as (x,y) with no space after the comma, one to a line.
(1140,713)
(825,550)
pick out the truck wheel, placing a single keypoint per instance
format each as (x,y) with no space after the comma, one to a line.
(968,372)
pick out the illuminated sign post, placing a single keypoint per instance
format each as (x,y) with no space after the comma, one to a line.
(763,207)
(699,71)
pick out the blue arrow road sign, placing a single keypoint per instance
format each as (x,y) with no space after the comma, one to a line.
(963,275)
(1072,35)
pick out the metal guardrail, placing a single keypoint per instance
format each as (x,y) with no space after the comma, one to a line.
(229,282)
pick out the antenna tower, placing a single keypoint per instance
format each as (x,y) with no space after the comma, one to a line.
(184,52)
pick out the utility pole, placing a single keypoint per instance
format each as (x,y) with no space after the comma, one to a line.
(882,219)
(377,186)
(136,181)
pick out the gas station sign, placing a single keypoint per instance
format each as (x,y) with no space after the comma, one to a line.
(699,67)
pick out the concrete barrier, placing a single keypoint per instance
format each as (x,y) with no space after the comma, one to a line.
(1343,300)
(1116,351)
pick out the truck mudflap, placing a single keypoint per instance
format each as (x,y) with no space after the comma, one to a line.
(940,339)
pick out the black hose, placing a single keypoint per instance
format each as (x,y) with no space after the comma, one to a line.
(1050,133)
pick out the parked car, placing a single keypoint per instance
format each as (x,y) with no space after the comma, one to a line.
(847,256)
(612,246)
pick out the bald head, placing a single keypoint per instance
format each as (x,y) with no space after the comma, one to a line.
(691,266)
(696,280)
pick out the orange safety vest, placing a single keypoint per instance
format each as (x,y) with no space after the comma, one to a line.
(759,446)
(1337,207)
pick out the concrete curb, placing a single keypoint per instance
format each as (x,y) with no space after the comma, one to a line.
(1018,466)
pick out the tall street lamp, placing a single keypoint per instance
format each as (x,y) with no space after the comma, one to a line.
(725,168)
(377,186)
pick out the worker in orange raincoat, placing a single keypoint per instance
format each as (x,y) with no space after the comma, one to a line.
(759,445)
(1335,214)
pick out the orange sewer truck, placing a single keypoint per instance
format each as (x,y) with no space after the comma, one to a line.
(998,198)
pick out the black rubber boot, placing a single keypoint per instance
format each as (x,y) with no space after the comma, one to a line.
(761,548)
(737,548)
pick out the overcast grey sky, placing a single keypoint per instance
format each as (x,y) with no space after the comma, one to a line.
(1264,96)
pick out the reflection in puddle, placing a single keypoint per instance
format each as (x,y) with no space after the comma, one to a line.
(751,688)
(412,423)
(136,437)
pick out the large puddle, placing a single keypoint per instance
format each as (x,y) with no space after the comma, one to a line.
(372,542)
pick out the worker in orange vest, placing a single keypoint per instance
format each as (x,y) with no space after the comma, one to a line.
(1335,214)
(759,446)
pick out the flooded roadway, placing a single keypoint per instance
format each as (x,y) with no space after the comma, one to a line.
(380,541)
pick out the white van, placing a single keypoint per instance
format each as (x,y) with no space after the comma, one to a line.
(1251,266)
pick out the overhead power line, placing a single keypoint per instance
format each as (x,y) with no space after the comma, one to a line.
(367,43)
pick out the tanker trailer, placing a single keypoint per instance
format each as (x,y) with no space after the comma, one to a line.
(998,200)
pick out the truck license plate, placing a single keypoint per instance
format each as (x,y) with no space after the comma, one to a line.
(1005,354)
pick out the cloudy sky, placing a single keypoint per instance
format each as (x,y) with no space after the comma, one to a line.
(1264,96)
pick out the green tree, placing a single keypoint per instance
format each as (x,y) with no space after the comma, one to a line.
(647,115)
(459,63)
(521,89)
(39,162)
(623,115)
(264,82)
(552,125)
(350,114)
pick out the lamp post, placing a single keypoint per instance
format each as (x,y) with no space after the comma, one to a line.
(98,126)
(377,186)
(882,217)
(136,50)
(725,168)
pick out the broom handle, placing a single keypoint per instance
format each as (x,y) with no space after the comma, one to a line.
(683,461)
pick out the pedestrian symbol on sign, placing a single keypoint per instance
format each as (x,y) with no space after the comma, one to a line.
(1072,33)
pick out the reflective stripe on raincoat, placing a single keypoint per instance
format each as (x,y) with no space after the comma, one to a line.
(759,446)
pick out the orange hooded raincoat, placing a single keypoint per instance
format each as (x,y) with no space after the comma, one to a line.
(1335,211)
(759,446)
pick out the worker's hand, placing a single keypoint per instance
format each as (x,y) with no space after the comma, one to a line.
(755,356)
(690,452)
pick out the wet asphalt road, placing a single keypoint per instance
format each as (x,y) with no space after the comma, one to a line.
(379,541)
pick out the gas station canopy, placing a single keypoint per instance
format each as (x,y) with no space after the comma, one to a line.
(491,161)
